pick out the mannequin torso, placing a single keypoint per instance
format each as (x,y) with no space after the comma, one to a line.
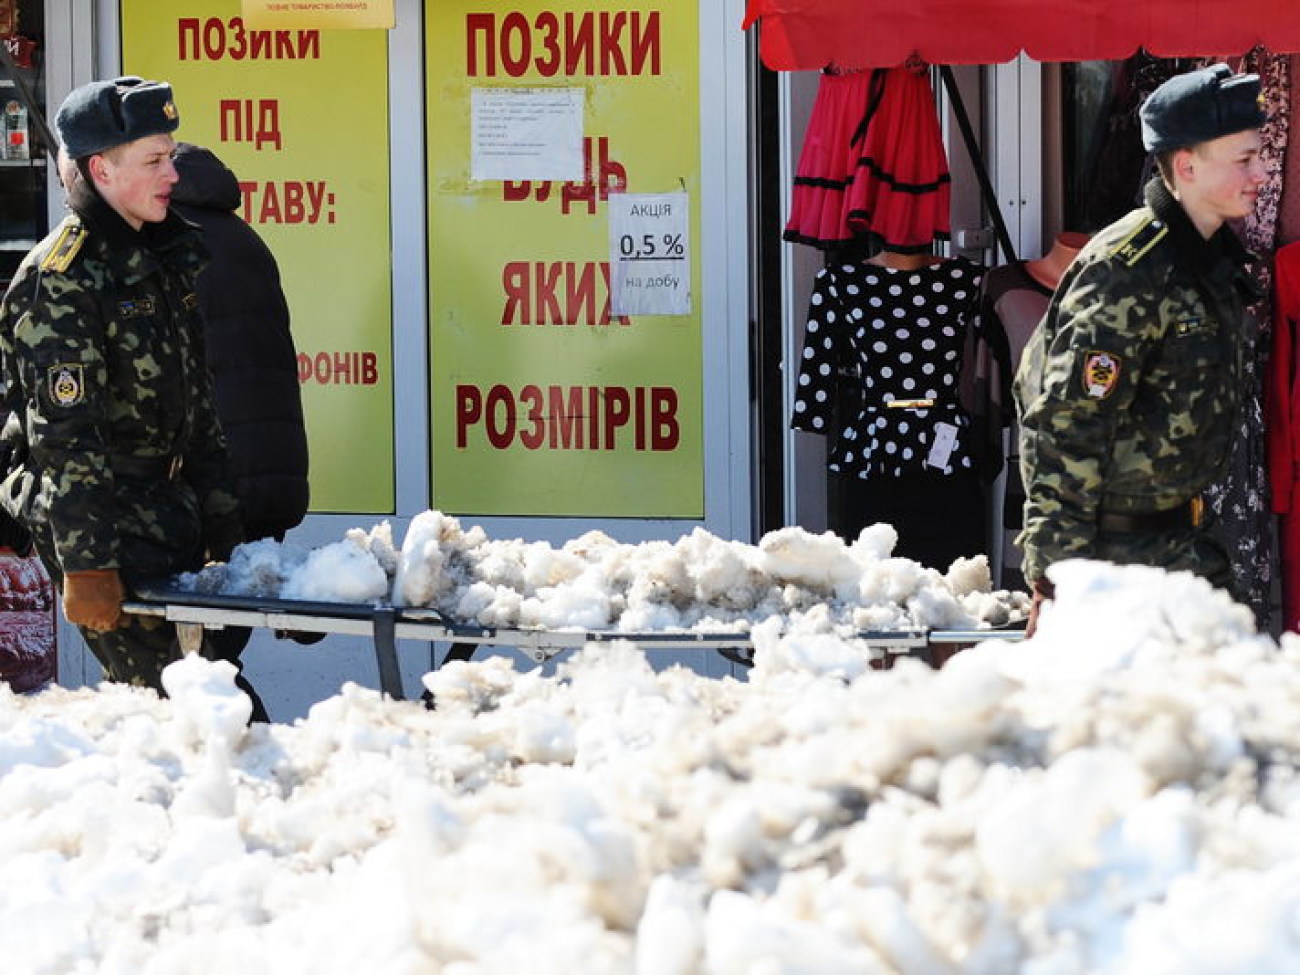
(1047,270)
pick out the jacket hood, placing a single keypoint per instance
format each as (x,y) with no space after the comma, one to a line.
(205,180)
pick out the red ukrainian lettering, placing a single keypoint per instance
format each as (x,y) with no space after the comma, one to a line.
(480,25)
(187,38)
(618,407)
(580,294)
(611,42)
(268,123)
(214,39)
(645,44)
(548,26)
(533,437)
(309,45)
(316,199)
(343,367)
(270,211)
(513,191)
(500,413)
(639,413)
(546,305)
(369,369)
(469,410)
(665,433)
(229,113)
(517,24)
(514,282)
(263,45)
(579,43)
(566,417)
(294,211)
(605,318)
(239,48)
(584,190)
(559,417)
(612,176)
(593,417)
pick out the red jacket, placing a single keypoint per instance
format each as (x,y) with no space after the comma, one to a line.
(1282,398)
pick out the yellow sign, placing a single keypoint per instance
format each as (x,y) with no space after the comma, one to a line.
(319,14)
(301,118)
(543,402)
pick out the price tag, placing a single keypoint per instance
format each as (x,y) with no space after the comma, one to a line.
(649,253)
(945,439)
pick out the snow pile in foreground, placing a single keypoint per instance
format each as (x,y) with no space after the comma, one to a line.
(1118,795)
(815,583)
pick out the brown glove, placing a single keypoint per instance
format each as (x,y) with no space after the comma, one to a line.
(93,598)
(1043,590)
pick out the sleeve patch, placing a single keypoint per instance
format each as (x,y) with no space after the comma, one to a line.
(1100,374)
(67,383)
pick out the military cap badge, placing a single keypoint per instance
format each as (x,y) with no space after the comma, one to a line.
(67,384)
(1100,374)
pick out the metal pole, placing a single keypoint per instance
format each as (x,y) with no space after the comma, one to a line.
(977,160)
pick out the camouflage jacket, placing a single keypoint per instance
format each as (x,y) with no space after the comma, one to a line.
(1128,390)
(116,458)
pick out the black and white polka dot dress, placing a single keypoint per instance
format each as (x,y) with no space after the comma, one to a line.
(897,338)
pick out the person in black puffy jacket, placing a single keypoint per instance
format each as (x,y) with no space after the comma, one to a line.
(250,349)
(254,367)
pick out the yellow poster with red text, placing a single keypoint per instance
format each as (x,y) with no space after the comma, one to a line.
(301,117)
(542,401)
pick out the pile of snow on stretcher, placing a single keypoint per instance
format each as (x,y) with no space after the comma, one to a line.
(700,583)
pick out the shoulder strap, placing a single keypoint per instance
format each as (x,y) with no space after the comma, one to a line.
(1140,241)
(66,247)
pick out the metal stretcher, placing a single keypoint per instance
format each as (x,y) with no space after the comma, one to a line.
(385,625)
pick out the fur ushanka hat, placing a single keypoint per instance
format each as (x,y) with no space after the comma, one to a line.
(1200,106)
(104,114)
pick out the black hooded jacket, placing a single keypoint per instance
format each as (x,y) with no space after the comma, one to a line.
(249,348)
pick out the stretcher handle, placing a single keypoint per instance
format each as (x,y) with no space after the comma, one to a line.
(136,608)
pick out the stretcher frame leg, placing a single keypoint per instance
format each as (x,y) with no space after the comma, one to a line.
(385,637)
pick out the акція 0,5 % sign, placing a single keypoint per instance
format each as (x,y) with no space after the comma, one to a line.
(667,247)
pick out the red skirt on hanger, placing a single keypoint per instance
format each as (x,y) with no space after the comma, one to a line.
(818,214)
(873,167)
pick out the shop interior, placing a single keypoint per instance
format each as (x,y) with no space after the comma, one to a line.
(882,180)
(23,184)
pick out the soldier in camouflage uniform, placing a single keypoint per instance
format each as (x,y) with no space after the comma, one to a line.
(116,461)
(1128,391)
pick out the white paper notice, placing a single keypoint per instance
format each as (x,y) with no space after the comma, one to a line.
(526,133)
(650,253)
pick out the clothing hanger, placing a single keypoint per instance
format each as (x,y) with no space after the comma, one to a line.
(898,261)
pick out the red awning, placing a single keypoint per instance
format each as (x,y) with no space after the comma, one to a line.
(810,34)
